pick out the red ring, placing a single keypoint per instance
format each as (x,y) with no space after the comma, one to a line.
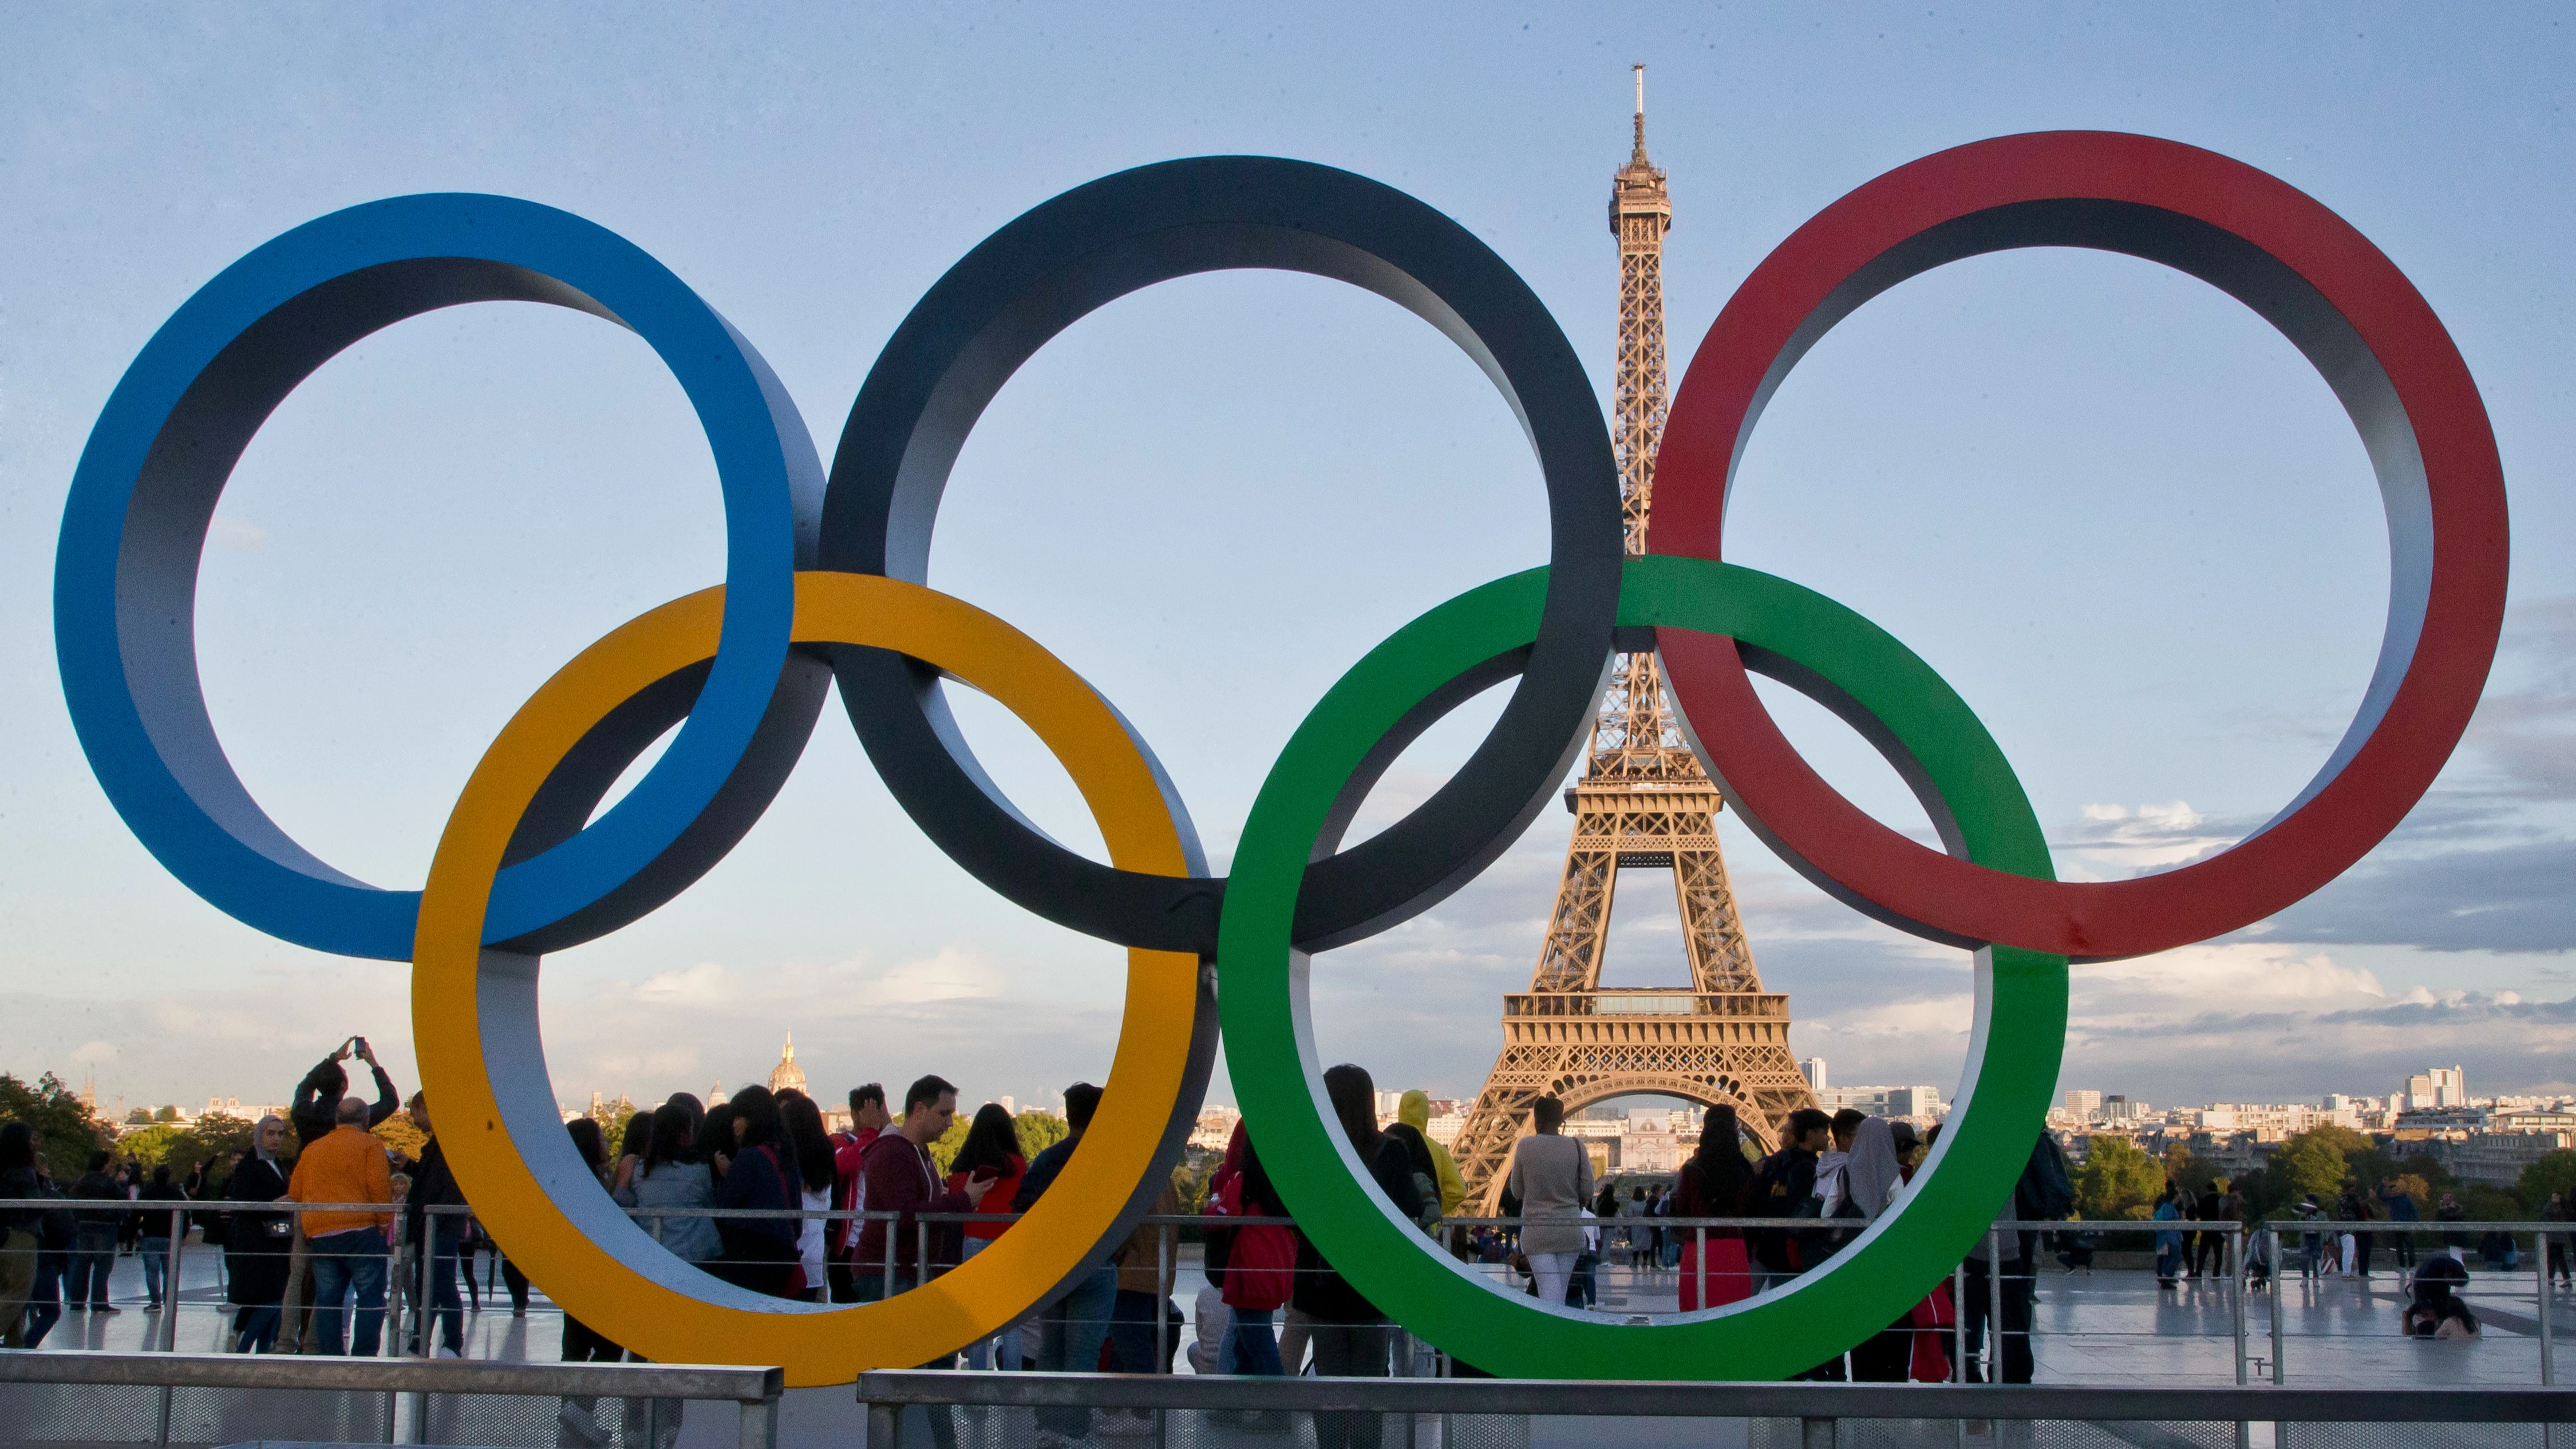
(2309,273)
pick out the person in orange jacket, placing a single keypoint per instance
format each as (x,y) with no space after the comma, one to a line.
(346,1247)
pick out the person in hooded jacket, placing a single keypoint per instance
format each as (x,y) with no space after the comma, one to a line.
(1870,1180)
(256,1244)
(1350,1336)
(1414,1111)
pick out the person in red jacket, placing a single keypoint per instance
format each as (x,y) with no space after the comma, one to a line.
(868,1119)
(991,1154)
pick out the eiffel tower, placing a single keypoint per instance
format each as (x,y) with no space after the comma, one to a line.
(1643,802)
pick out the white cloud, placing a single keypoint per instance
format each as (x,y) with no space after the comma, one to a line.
(237,535)
(91,1053)
(2114,841)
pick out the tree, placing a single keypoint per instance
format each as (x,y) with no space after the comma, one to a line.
(398,1133)
(2314,1161)
(944,1151)
(1191,1177)
(2414,1186)
(2182,1167)
(66,1133)
(221,1136)
(614,1119)
(2554,1172)
(166,1113)
(2117,1180)
(2424,1167)
(1039,1131)
(140,1116)
(153,1145)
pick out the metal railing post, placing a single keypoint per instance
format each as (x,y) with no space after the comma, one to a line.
(756,1424)
(920,1254)
(2540,1263)
(2236,1251)
(1994,1340)
(1816,1433)
(2279,1291)
(1699,1265)
(883,1425)
(1166,1250)
(891,1229)
(1166,1269)
(1959,1324)
(171,1257)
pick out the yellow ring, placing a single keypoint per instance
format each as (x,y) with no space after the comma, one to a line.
(474,1012)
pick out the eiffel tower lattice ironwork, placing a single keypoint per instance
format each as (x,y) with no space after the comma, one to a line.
(1645,802)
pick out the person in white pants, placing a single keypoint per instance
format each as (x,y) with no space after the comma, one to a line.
(1552,1176)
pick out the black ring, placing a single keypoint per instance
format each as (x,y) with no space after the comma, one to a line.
(1051,266)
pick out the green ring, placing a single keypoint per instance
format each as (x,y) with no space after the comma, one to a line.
(2019,1034)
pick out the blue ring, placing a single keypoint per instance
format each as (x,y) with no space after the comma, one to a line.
(145,492)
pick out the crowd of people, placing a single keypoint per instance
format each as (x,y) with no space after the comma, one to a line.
(327,1230)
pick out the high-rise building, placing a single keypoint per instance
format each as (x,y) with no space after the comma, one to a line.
(2084,1106)
(1813,1069)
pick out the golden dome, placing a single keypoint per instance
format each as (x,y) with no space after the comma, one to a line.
(787,1074)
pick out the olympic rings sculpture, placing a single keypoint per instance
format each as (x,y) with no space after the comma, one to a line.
(823,581)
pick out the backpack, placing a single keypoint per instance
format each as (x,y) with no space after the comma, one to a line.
(2045,1192)
(1769,1195)
(1261,1262)
(1427,1191)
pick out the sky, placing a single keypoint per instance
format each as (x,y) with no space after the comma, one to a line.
(2116,511)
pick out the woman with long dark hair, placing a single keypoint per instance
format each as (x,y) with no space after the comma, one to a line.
(1713,1184)
(668,1174)
(815,1177)
(991,1153)
(759,1252)
(1350,1337)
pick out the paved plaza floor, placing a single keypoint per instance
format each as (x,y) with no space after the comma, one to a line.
(2109,1327)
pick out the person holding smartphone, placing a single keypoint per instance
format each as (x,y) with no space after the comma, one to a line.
(317,1098)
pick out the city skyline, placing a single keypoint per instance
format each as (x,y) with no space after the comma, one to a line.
(2115,511)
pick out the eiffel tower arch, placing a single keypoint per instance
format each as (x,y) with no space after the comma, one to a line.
(1643,802)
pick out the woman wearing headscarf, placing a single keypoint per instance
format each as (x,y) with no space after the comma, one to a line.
(257,1245)
(1713,1184)
(1871,1178)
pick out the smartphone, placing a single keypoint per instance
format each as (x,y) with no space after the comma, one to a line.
(986,1174)
(358,1044)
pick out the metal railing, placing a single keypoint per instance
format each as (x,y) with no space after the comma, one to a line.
(2543,1235)
(1816,1406)
(2250,1258)
(753,1390)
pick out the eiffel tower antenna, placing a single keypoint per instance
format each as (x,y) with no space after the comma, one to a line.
(1643,802)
